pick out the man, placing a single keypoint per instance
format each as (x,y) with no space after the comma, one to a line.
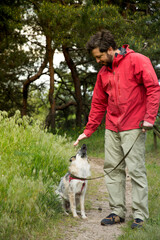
(127,89)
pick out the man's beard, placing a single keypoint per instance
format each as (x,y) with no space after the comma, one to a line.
(109,60)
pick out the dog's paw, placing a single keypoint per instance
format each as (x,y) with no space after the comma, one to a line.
(66,213)
(84,217)
(75,216)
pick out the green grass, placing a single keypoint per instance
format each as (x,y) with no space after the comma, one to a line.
(32,162)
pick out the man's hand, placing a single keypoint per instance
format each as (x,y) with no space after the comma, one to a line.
(82,136)
(146,124)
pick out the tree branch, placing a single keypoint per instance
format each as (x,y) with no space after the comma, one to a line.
(66,105)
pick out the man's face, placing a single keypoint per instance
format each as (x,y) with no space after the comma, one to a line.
(103,57)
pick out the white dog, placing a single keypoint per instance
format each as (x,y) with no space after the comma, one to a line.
(72,190)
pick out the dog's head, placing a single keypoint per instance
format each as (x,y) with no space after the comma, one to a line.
(79,164)
(82,153)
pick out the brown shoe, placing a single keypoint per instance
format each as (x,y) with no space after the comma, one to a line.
(138,223)
(111,219)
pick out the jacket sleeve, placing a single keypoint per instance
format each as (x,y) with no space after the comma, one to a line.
(146,75)
(98,108)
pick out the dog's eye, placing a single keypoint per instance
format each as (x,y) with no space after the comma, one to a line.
(72,158)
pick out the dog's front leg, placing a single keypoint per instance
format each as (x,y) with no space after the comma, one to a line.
(82,196)
(65,205)
(73,204)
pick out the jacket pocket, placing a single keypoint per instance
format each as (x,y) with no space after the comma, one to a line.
(107,82)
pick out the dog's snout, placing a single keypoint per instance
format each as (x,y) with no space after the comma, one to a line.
(84,147)
(83,150)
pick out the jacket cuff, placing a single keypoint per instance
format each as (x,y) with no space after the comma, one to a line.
(87,132)
(150,120)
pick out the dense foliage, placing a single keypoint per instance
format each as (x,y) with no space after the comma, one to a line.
(31,33)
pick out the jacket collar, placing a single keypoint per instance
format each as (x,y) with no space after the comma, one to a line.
(119,56)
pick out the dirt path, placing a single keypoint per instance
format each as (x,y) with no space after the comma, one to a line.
(97,207)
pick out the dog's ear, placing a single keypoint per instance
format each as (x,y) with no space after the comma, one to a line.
(73,158)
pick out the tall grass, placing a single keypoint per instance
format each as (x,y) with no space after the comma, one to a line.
(31,165)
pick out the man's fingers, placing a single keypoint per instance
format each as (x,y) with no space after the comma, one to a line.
(146,126)
(82,136)
(143,130)
(76,142)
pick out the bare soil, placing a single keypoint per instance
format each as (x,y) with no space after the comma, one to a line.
(97,207)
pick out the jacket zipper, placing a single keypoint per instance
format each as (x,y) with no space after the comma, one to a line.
(117,93)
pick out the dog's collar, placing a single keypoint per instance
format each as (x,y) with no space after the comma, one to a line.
(72,178)
(76,177)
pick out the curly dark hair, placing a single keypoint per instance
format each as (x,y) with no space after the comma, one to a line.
(102,40)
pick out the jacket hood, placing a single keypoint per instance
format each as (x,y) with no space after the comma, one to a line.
(125,50)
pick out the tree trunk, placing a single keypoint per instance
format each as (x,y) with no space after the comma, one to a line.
(28,82)
(50,119)
(25,97)
(77,85)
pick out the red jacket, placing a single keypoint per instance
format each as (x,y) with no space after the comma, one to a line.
(129,92)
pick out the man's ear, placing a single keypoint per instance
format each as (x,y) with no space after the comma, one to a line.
(110,50)
(73,158)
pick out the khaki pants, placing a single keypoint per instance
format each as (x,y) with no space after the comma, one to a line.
(116,146)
